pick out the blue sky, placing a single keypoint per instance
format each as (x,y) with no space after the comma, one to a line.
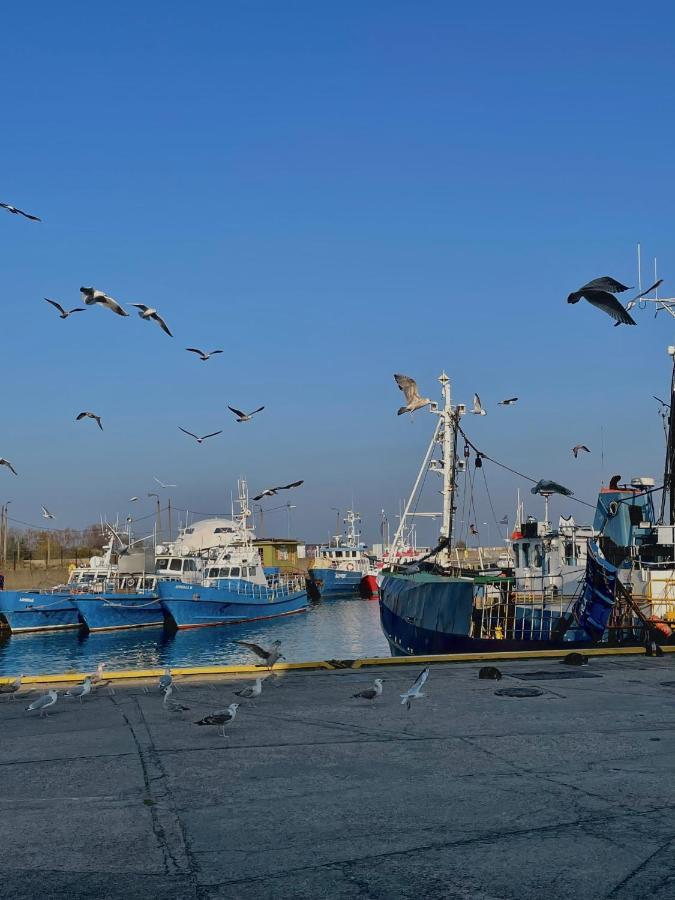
(331,192)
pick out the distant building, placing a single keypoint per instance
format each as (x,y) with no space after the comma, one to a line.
(281,553)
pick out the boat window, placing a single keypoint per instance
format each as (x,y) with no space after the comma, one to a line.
(223,573)
(569,553)
(175,565)
(223,530)
(251,570)
(516,554)
(189,565)
(162,564)
(235,572)
(213,573)
(338,554)
(538,558)
(526,554)
(189,531)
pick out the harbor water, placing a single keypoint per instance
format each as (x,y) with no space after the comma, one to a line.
(332,629)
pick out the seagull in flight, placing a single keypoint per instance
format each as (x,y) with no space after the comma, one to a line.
(203,354)
(19,212)
(508,402)
(64,313)
(576,450)
(7,464)
(94,297)
(150,314)
(269,657)
(245,417)
(200,440)
(412,395)
(46,514)
(370,693)
(161,483)
(89,415)
(221,718)
(663,403)
(478,406)
(132,499)
(600,293)
(415,691)
(474,530)
(544,486)
(43,703)
(271,492)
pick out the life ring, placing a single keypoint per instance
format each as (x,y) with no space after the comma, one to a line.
(333,565)
(350,567)
(131,583)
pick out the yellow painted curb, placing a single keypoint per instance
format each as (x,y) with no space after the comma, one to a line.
(337,665)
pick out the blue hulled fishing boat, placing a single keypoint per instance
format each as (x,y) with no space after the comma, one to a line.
(25,611)
(339,566)
(232,586)
(570,587)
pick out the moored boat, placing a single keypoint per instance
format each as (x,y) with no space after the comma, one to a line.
(340,565)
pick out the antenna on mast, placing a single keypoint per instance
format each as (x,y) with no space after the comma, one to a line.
(639,261)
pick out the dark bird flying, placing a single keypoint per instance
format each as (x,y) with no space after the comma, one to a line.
(19,212)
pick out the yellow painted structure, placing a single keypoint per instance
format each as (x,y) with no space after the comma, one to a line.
(336,664)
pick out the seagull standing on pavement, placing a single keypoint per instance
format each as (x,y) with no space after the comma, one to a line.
(245,417)
(19,212)
(11,687)
(43,703)
(8,465)
(252,691)
(225,717)
(415,691)
(89,415)
(94,297)
(576,450)
(151,315)
(81,690)
(165,680)
(412,395)
(478,407)
(370,693)
(269,657)
(200,440)
(64,313)
(203,354)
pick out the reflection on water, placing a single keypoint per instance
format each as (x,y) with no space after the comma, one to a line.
(333,629)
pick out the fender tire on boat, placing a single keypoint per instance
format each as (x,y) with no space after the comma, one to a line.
(350,567)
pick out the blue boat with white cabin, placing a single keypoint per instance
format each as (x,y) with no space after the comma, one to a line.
(340,565)
(233,586)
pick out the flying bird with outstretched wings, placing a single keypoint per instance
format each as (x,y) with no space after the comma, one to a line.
(94,297)
(412,395)
(64,313)
(200,440)
(151,315)
(203,354)
(7,464)
(19,212)
(89,415)
(270,492)
(477,409)
(579,448)
(245,417)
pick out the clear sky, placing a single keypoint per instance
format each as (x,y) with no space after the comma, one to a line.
(331,192)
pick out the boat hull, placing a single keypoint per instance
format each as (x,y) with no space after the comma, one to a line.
(196,606)
(425,615)
(111,612)
(336,582)
(26,611)
(368,587)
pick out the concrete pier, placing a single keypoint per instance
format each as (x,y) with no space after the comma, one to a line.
(311,794)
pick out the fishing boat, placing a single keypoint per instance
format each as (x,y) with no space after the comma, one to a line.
(340,565)
(232,586)
(573,586)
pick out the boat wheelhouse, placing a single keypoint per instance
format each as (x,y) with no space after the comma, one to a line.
(340,565)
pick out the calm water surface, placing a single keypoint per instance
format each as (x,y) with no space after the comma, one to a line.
(331,629)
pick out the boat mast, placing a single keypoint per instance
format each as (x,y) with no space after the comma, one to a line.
(449,444)
(669,468)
